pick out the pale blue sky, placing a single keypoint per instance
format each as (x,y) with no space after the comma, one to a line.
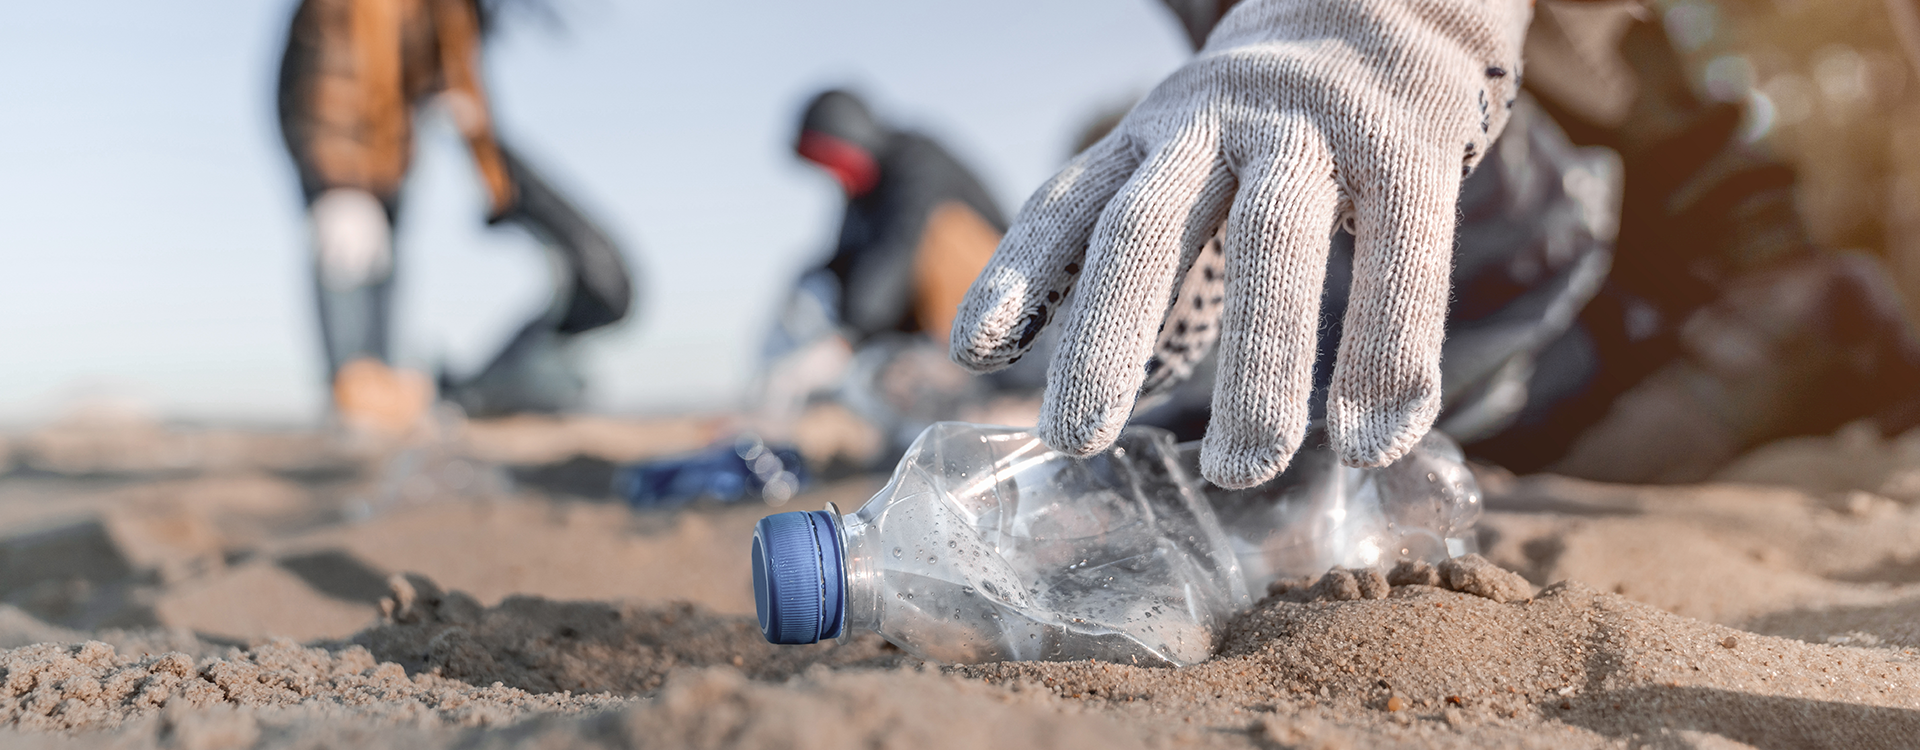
(153,239)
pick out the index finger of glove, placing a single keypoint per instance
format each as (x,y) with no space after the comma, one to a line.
(1386,379)
(1032,271)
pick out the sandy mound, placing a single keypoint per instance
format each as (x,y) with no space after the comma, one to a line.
(1345,661)
(150,577)
(1356,659)
(1432,667)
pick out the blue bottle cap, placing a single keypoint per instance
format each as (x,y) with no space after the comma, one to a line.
(799,579)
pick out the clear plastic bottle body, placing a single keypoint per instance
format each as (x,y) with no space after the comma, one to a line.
(987,546)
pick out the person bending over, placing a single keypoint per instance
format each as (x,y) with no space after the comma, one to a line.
(354,75)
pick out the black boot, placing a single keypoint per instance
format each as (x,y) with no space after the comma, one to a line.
(536,371)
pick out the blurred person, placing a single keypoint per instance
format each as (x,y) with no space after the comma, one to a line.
(1721,325)
(354,75)
(918,224)
(866,329)
(855,365)
(1640,311)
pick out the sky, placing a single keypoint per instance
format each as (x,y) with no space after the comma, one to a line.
(154,240)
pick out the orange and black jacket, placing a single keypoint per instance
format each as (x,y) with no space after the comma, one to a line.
(353,73)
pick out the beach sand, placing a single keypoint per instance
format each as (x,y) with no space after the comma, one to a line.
(202,587)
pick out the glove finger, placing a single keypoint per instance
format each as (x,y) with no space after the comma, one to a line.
(1277,240)
(1386,379)
(1033,270)
(1163,214)
(1191,325)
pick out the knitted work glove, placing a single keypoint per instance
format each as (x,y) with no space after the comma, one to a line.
(1296,114)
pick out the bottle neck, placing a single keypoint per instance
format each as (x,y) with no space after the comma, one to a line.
(862,570)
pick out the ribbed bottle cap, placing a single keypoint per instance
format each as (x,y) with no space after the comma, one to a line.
(798,578)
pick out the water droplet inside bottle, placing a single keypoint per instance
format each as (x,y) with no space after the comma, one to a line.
(898,552)
(931,559)
(952,544)
(968,590)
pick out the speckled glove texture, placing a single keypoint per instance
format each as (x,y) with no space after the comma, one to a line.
(1297,114)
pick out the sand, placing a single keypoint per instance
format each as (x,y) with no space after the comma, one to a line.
(185,587)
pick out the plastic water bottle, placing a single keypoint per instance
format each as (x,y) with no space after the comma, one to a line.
(988,546)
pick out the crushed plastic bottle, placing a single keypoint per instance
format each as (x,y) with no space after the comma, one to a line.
(988,546)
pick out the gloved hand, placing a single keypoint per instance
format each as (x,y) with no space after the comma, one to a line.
(1296,114)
